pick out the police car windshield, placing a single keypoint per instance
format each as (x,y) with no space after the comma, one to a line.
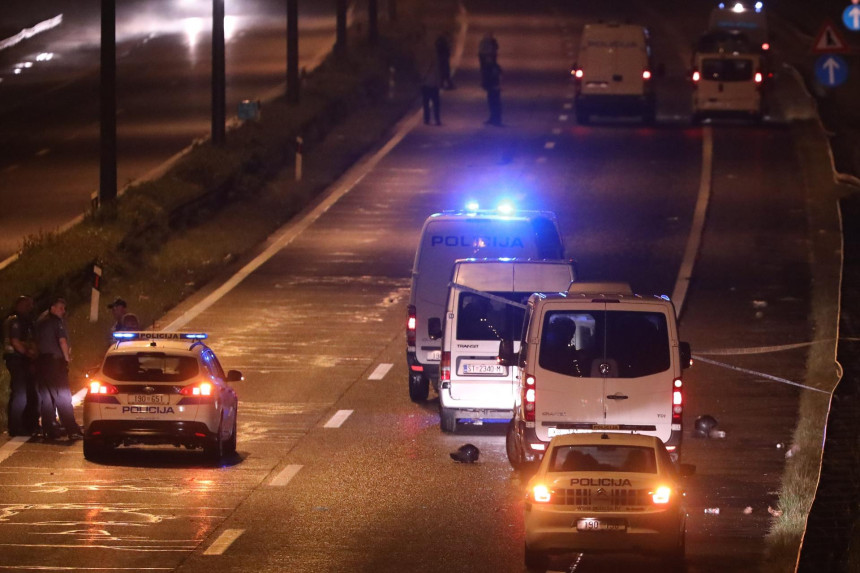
(150,367)
(603,459)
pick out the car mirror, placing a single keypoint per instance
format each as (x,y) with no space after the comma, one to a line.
(234,376)
(686,354)
(506,353)
(687,470)
(434,328)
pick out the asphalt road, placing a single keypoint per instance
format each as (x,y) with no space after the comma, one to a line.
(49,111)
(318,331)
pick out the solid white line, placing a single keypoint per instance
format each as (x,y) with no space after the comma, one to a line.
(380,371)
(682,283)
(567,105)
(78,397)
(549,145)
(9,447)
(562,117)
(338,419)
(556,131)
(286,475)
(220,545)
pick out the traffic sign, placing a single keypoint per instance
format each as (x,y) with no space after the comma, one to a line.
(829,40)
(851,17)
(831,70)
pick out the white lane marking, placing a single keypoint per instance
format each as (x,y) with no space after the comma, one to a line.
(567,105)
(563,117)
(541,160)
(9,447)
(682,283)
(78,397)
(754,373)
(549,145)
(286,474)
(759,349)
(556,131)
(380,371)
(30,32)
(338,419)
(220,545)
(43,152)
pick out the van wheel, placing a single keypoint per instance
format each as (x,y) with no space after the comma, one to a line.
(447,420)
(514,452)
(419,388)
(536,560)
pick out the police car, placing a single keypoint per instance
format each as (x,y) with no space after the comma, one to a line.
(160,388)
(605,492)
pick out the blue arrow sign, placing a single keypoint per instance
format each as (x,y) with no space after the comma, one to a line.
(851,17)
(831,70)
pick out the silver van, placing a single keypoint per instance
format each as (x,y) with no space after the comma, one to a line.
(486,303)
(453,235)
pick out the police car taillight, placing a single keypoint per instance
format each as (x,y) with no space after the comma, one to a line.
(199,389)
(97,387)
(662,495)
(541,494)
(529,389)
(445,367)
(410,325)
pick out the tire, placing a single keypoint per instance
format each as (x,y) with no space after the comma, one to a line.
(419,387)
(230,446)
(515,455)
(447,420)
(95,450)
(536,560)
(214,450)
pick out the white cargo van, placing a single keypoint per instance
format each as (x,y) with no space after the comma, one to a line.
(613,74)
(727,83)
(486,303)
(453,235)
(596,359)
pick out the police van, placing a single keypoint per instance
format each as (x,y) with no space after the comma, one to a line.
(452,235)
(486,303)
(160,388)
(727,82)
(596,358)
(747,18)
(614,74)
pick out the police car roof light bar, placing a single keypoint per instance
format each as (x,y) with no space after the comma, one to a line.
(149,335)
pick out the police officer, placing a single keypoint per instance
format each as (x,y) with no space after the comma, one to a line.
(119,309)
(19,353)
(52,370)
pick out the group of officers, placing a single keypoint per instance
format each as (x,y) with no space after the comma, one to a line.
(37,355)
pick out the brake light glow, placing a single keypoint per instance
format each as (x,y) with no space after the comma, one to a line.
(578,74)
(97,387)
(529,391)
(646,74)
(410,325)
(199,389)
(445,367)
(541,494)
(758,77)
(696,76)
(765,47)
(677,401)
(662,495)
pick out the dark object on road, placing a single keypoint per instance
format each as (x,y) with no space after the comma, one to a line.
(466,454)
(704,425)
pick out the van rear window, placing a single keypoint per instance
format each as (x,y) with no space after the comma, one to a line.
(727,70)
(612,344)
(482,318)
(586,458)
(150,367)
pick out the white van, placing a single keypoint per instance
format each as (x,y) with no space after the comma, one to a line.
(613,74)
(596,359)
(727,83)
(748,18)
(453,235)
(486,303)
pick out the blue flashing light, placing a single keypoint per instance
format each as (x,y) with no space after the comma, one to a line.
(195,335)
(124,335)
(147,335)
(505,208)
(721,6)
(759,6)
(472,206)
(665,297)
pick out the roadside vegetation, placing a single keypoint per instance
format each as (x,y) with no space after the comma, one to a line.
(166,238)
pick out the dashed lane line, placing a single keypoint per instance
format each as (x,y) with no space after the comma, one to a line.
(285,475)
(380,371)
(338,419)
(223,542)
(9,447)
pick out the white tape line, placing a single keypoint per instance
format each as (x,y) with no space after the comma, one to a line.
(338,419)
(227,537)
(286,474)
(27,33)
(759,374)
(78,397)
(9,447)
(758,349)
(682,283)
(380,371)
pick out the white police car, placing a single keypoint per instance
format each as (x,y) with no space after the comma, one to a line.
(605,492)
(160,388)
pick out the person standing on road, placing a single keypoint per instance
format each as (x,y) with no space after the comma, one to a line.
(52,369)
(491,81)
(19,353)
(488,51)
(443,56)
(430,83)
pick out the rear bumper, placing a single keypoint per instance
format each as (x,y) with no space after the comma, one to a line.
(615,104)
(746,106)
(488,407)
(150,432)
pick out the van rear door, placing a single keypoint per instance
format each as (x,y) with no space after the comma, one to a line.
(728,83)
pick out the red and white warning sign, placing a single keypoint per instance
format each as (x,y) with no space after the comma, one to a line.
(829,40)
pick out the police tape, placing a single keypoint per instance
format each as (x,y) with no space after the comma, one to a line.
(759,374)
(487,295)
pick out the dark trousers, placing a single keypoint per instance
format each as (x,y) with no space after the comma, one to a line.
(430,97)
(23,412)
(494,102)
(55,395)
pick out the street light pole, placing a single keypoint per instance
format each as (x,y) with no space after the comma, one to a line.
(219,79)
(107,104)
(293,51)
(340,28)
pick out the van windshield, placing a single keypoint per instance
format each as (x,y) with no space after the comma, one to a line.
(150,367)
(727,69)
(587,458)
(483,318)
(604,344)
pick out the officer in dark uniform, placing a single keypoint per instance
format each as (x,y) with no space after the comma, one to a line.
(19,352)
(52,370)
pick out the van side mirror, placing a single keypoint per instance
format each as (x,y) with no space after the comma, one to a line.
(686,354)
(506,353)
(234,376)
(434,328)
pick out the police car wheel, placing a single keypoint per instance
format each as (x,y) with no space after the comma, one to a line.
(511,447)
(419,388)
(230,448)
(447,420)
(536,560)
(95,450)
(214,450)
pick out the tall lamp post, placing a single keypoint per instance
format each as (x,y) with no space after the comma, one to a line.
(293,51)
(107,104)
(219,79)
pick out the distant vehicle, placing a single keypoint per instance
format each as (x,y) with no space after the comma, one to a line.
(746,17)
(596,358)
(160,388)
(727,83)
(486,302)
(453,235)
(614,73)
(606,493)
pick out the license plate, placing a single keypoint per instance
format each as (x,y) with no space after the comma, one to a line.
(483,368)
(597,427)
(434,355)
(149,399)
(600,525)
(551,432)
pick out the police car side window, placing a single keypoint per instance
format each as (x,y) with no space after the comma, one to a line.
(212,365)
